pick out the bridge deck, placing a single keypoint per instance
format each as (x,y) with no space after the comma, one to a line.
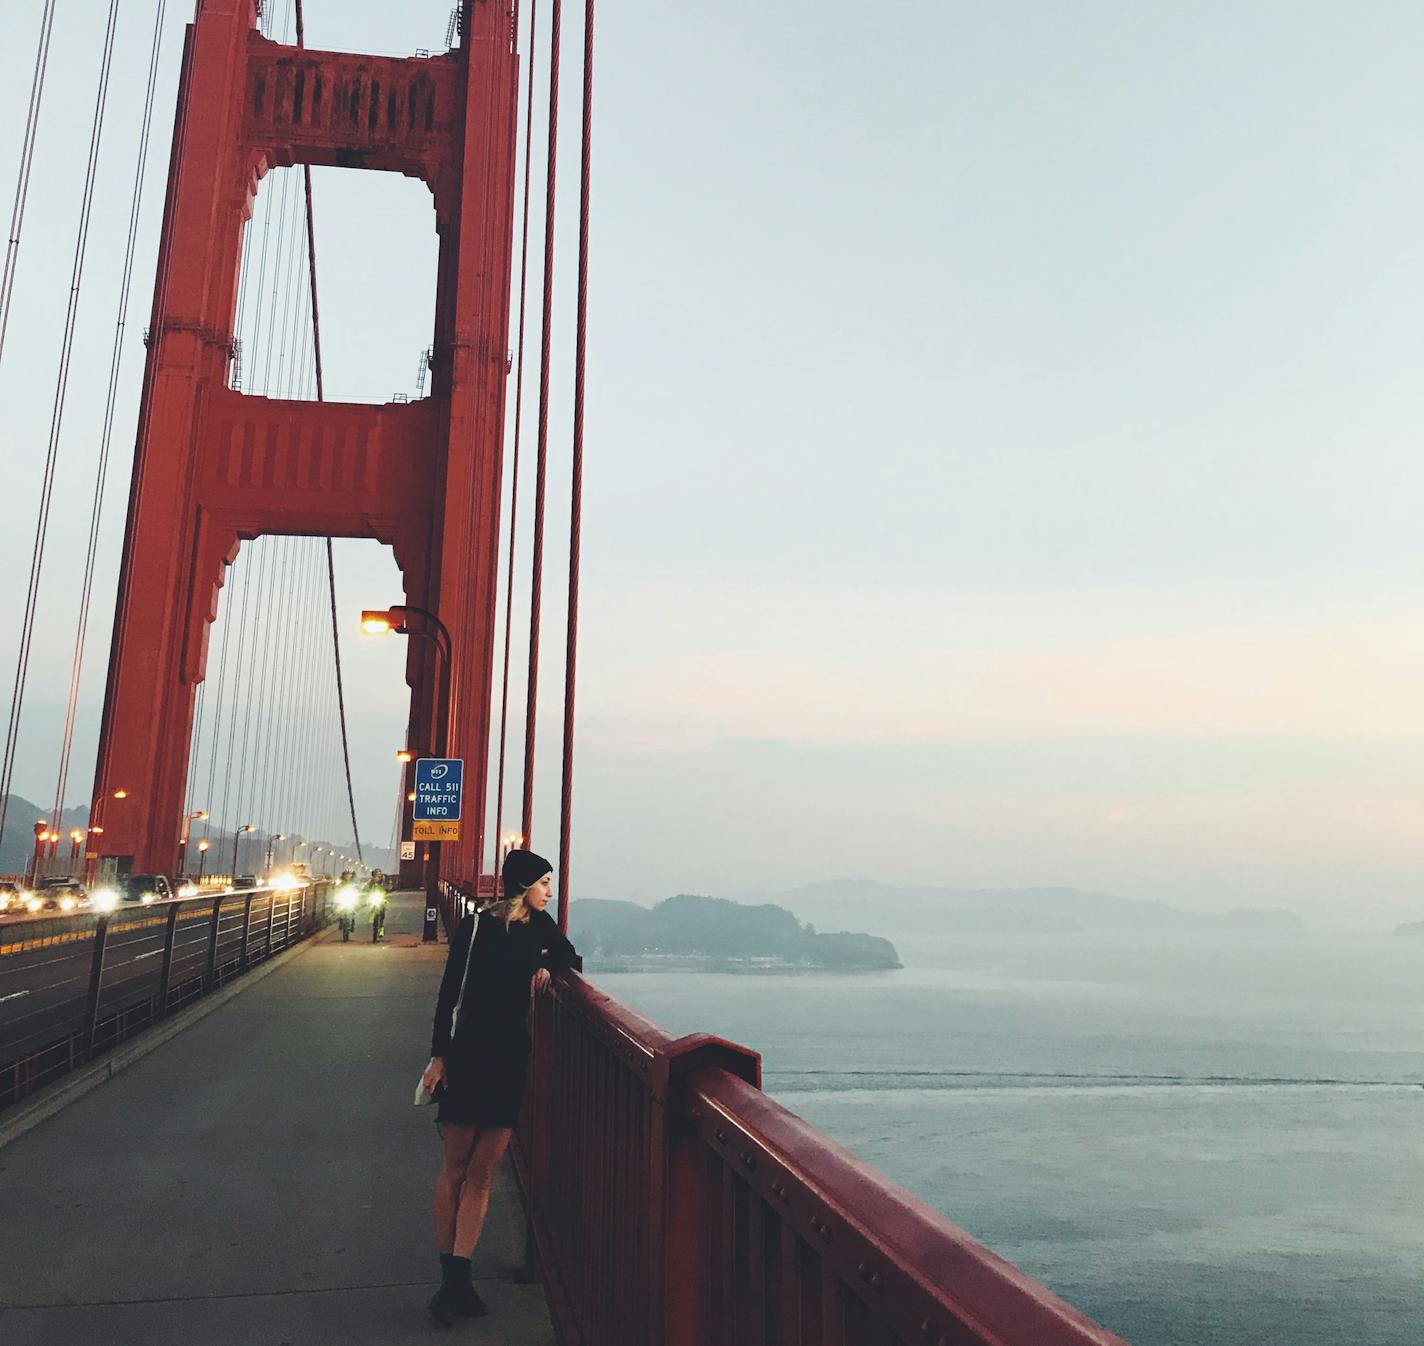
(262,1177)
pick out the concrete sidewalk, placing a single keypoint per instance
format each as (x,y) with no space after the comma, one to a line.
(262,1179)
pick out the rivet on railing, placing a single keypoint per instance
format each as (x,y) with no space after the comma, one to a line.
(931,1333)
(748,1159)
(696,1113)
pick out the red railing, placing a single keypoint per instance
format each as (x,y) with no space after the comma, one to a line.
(674,1204)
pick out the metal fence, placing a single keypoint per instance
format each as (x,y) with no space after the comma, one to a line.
(674,1204)
(74,985)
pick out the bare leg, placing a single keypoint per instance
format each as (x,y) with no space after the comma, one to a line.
(474,1196)
(458,1144)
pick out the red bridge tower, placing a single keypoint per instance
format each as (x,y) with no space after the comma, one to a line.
(214,467)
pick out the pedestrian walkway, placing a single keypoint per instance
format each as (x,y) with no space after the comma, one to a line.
(260,1180)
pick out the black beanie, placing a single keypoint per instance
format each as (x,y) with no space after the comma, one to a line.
(522,869)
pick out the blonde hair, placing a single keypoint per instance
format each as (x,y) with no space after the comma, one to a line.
(511,909)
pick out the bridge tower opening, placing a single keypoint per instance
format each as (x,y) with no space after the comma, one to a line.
(214,466)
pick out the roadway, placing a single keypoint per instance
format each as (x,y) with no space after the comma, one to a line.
(261,1178)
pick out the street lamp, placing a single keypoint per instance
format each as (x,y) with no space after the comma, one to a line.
(404,755)
(76,835)
(276,836)
(202,857)
(236,837)
(41,832)
(395,620)
(183,840)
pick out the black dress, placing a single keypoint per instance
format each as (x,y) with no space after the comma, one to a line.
(488,1057)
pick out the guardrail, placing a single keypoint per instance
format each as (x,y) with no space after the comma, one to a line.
(674,1204)
(74,985)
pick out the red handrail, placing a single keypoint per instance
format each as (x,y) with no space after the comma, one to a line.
(674,1204)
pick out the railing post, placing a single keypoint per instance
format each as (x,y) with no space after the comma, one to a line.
(96,979)
(271,921)
(681,1245)
(246,930)
(211,973)
(165,975)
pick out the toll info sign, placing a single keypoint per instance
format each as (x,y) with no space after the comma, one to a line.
(438,784)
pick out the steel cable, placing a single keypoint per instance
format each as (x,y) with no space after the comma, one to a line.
(110,401)
(518,421)
(27,158)
(576,490)
(81,244)
(536,584)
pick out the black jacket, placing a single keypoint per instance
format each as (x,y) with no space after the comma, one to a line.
(502,964)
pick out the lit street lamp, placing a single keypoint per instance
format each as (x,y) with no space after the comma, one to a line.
(41,832)
(183,841)
(236,837)
(395,620)
(75,837)
(202,857)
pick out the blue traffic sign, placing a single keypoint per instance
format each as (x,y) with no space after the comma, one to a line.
(438,781)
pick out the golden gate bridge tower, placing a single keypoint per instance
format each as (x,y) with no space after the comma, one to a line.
(215,467)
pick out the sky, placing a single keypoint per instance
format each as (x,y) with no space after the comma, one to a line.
(1002,439)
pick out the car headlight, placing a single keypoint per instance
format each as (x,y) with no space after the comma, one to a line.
(68,902)
(32,903)
(188,890)
(106,899)
(146,898)
(5,900)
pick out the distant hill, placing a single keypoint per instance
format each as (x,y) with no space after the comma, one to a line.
(717,932)
(901,911)
(18,843)
(1410,928)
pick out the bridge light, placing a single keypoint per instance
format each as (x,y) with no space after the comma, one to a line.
(411,796)
(97,830)
(121,793)
(380,622)
(404,755)
(204,844)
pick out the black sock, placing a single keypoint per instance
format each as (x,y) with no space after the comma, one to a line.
(454,1271)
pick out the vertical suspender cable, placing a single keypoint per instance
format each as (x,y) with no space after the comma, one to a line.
(576,492)
(541,460)
(518,422)
(107,434)
(27,157)
(81,243)
(330,559)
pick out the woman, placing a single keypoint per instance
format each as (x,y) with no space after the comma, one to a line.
(477,1067)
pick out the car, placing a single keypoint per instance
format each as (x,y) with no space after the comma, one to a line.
(60,892)
(14,898)
(144,888)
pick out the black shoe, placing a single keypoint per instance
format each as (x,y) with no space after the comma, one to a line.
(467,1303)
(442,1308)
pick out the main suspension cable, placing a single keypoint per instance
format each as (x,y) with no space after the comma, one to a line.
(330,558)
(576,492)
(81,243)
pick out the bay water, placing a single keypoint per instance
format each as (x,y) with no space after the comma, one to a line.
(1198,1142)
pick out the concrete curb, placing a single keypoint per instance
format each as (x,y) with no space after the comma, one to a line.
(74,1086)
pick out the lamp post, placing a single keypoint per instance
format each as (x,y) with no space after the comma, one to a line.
(76,835)
(202,858)
(41,832)
(276,836)
(183,840)
(396,619)
(236,837)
